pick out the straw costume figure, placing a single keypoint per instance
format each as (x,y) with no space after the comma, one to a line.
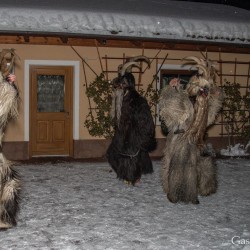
(9,180)
(187,170)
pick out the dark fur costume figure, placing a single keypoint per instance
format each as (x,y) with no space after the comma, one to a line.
(9,180)
(187,170)
(134,137)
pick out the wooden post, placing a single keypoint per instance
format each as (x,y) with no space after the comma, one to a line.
(222,120)
(106,66)
(98,52)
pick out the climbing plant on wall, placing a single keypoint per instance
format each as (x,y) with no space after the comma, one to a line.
(236,111)
(98,120)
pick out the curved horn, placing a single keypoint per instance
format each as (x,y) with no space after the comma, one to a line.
(193,58)
(127,66)
(137,58)
(203,69)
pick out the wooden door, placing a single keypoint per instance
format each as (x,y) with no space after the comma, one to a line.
(51,110)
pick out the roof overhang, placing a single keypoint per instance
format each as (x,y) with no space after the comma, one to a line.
(121,42)
(145,21)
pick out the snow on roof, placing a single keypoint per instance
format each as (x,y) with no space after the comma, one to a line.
(149,19)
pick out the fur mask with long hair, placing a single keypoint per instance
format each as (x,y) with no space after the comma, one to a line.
(121,84)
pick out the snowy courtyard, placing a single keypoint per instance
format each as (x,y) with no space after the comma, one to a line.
(79,205)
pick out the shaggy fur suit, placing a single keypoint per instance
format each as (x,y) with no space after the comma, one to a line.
(187,170)
(9,180)
(134,136)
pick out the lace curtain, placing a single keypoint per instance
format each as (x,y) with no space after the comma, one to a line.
(50,93)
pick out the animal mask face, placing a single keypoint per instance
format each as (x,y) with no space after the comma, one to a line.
(123,82)
(7,55)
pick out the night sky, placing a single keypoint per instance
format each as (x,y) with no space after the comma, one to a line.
(244,4)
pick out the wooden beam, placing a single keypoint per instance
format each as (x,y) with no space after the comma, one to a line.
(64,39)
(26,38)
(70,40)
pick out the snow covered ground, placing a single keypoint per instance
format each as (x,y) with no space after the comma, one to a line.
(76,206)
(236,150)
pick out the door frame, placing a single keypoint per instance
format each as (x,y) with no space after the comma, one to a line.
(76,81)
